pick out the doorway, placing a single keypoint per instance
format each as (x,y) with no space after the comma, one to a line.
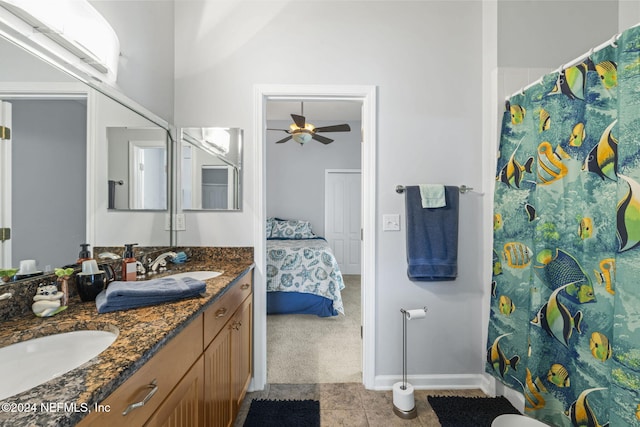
(366,95)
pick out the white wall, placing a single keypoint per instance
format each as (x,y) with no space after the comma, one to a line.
(295,174)
(145,31)
(429,130)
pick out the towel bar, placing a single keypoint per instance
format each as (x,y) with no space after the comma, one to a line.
(463,189)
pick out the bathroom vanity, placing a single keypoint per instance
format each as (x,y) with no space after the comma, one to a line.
(186,363)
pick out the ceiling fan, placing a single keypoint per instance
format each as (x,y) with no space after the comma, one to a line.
(302,132)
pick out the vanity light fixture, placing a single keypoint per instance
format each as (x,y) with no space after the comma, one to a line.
(74,25)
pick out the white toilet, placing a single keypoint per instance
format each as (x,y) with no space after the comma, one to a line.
(512,420)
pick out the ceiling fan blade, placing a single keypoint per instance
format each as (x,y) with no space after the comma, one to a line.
(335,128)
(300,121)
(322,139)
(284,139)
(283,130)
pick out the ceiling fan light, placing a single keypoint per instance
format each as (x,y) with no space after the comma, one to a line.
(302,137)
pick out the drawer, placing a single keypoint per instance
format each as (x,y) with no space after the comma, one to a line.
(221,311)
(161,373)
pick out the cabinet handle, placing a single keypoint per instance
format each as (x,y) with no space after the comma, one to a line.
(221,313)
(154,388)
(245,286)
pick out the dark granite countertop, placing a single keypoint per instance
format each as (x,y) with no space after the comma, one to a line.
(64,401)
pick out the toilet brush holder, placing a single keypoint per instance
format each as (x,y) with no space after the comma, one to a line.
(404,403)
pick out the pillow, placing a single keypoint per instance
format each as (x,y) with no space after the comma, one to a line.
(291,229)
(269,227)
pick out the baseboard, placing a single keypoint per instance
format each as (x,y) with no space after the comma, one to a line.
(434,382)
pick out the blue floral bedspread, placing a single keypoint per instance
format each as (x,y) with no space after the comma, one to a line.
(307,266)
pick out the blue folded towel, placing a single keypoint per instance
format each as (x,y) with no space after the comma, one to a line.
(432,237)
(126,295)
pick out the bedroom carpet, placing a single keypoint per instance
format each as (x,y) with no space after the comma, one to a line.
(306,349)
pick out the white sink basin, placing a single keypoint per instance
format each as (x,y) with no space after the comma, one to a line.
(30,363)
(198,275)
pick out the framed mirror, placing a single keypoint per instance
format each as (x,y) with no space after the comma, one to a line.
(211,168)
(55,192)
(137,168)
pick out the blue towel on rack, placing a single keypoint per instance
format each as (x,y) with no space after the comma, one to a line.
(432,237)
(126,295)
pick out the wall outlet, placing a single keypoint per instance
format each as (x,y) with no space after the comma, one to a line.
(391,222)
(180,222)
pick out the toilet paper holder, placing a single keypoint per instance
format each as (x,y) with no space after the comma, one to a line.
(403,400)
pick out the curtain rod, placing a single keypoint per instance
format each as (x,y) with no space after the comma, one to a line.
(611,42)
(463,189)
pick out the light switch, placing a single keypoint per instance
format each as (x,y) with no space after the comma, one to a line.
(391,222)
(180,222)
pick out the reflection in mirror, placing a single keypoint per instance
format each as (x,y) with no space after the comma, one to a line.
(50,202)
(137,168)
(211,168)
(43,164)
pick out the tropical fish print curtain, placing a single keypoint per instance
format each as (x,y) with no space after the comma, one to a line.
(564,327)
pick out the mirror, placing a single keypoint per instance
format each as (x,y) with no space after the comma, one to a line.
(56,195)
(211,168)
(137,168)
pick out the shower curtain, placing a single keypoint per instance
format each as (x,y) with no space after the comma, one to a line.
(564,325)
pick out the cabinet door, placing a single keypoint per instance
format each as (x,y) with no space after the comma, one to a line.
(242,352)
(217,372)
(183,407)
(152,383)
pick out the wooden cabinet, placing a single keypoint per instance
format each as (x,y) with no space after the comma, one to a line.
(183,407)
(198,379)
(152,383)
(228,356)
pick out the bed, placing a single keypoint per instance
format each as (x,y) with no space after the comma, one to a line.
(303,276)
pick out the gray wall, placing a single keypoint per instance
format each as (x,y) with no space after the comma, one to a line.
(424,58)
(551,33)
(49,175)
(145,31)
(295,174)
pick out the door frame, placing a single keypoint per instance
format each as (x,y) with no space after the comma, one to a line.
(5,182)
(328,172)
(368,96)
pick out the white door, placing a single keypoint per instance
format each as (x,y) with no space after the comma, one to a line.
(147,175)
(342,217)
(5,182)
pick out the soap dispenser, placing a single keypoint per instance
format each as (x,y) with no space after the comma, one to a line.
(129,267)
(84,254)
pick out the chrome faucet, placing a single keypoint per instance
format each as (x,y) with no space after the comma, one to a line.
(161,261)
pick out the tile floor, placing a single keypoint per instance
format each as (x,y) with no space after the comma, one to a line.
(350,404)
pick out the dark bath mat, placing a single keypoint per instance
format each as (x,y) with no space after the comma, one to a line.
(283,413)
(469,411)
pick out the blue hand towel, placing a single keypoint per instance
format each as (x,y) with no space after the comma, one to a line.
(126,295)
(432,237)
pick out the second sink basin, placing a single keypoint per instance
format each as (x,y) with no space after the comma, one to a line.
(198,275)
(30,363)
